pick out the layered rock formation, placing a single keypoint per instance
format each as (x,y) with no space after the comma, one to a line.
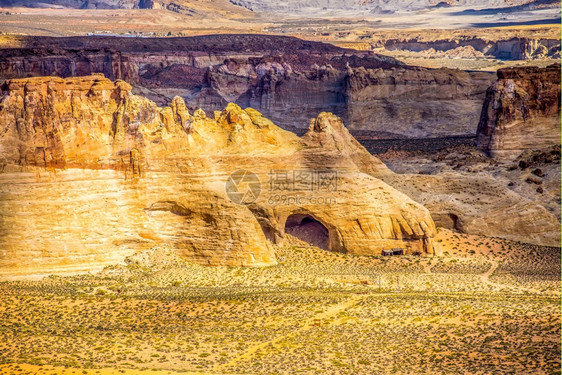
(413,103)
(481,205)
(521,111)
(511,45)
(93,173)
(287,79)
(505,49)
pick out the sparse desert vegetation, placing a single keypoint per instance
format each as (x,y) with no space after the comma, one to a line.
(316,312)
(154,219)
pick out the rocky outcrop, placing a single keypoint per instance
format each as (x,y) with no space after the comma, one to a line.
(287,79)
(93,173)
(481,205)
(521,112)
(515,48)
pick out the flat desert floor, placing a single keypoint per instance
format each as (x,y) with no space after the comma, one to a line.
(485,306)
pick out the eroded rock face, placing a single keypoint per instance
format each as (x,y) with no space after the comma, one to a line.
(93,173)
(516,48)
(480,205)
(287,79)
(414,103)
(521,112)
(359,220)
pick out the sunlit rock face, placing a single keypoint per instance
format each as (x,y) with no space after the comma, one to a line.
(521,112)
(93,173)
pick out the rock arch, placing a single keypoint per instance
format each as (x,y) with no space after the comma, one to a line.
(313,229)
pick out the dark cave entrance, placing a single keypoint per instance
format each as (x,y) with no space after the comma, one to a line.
(306,228)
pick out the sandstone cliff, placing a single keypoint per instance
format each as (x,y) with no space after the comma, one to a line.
(413,103)
(501,47)
(521,112)
(93,173)
(287,79)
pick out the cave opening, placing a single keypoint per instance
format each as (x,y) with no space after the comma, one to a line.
(306,228)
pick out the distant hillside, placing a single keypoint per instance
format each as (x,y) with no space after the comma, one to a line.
(374,6)
(79,4)
(294,7)
(180,6)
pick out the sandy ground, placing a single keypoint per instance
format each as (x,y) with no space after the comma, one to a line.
(487,305)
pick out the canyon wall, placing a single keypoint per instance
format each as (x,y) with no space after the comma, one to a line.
(521,112)
(287,79)
(414,103)
(516,48)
